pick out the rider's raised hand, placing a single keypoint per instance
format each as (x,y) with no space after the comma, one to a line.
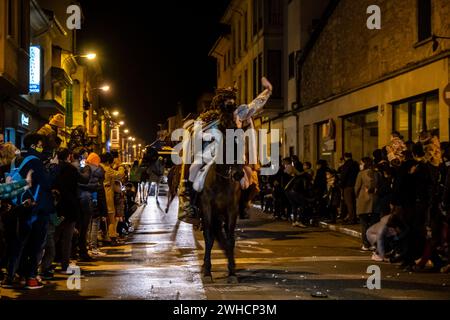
(266,84)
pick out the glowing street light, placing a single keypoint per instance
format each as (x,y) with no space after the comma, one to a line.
(130,138)
(121,123)
(126,131)
(90,56)
(134,139)
(105,88)
(115,113)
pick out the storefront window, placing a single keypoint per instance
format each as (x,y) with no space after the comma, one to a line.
(415,115)
(361,134)
(326,145)
(432,113)
(401,119)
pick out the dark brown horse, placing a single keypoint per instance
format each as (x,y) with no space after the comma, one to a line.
(219,206)
(219,210)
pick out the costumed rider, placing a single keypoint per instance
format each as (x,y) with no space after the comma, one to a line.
(223,101)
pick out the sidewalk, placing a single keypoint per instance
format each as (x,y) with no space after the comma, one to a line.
(350,230)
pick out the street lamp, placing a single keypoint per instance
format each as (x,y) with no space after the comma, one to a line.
(121,123)
(104,88)
(115,113)
(126,131)
(90,56)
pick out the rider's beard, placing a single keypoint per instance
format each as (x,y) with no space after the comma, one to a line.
(229,107)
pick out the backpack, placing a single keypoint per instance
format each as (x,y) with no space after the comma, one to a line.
(16,176)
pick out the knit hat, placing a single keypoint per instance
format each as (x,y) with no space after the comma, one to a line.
(93,159)
(57,120)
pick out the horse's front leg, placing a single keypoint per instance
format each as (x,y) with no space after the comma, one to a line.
(169,200)
(157,192)
(209,242)
(230,243)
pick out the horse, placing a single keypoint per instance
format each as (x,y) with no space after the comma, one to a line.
(219,207)
(173,181)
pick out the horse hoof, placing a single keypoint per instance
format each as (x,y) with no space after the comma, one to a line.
(233,280)
(167,210)
(207,279)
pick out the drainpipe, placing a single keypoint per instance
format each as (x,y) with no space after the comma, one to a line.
(297,137)
(296,105)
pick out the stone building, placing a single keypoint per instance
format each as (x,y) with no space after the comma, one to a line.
(357,85)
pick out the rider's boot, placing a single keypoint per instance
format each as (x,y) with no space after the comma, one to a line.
(187,212)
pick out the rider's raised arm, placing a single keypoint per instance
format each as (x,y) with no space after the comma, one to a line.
(258,103)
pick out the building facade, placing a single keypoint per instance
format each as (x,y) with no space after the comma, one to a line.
(357,85)
(266,39)
(42,73)
(17,115)
(252,49)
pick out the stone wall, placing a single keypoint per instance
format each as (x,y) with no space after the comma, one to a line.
(347,54)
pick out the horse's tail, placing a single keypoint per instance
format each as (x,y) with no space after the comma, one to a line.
(173,180)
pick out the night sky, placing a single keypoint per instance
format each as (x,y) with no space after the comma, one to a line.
(153,54)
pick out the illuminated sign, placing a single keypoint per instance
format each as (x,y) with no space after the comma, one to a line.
(35,69)
(24,119)
(115,138)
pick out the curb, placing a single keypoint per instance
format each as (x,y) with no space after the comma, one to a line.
(332,227)
(347,231)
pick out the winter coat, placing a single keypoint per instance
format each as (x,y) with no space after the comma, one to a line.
(93,187)
(403,191)
(365,191)
(348,173)
(67,178)
(119,200)
(320,182)
(332,196)
(41,178)
(111,176)
(384,195)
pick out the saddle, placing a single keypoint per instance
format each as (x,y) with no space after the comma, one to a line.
(199,181)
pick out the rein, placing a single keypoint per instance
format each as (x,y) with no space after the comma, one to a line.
(223,176)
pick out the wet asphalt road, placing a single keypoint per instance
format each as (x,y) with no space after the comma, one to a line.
(162,260)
